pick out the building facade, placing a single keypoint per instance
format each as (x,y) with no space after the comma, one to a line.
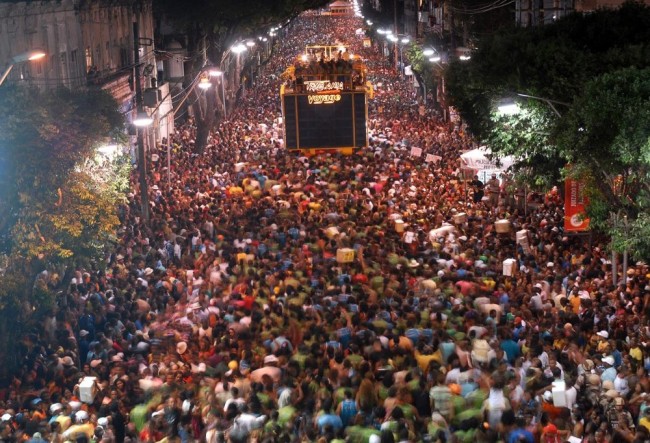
(87,42)
(542,12)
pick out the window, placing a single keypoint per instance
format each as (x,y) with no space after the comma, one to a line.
(64,67)
(89,59)
(124,57)
(74,68)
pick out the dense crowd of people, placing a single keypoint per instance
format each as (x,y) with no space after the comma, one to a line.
(277,297)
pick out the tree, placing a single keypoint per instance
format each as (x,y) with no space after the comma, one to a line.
(596,83)
(56,216)
(606,134)
(211,26)
(553,61)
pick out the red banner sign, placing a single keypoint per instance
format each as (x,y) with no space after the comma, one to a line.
(575,201)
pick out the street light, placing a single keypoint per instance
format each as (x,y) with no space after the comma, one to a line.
(142,119)
(238,48)
(32,55)
(205,83)
(428,52)
(510,107)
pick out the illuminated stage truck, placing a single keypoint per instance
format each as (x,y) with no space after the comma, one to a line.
(325,101)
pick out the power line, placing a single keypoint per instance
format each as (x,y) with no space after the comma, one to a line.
(48,81)
(481,10)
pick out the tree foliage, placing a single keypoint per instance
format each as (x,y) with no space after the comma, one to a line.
(56,213)
(53,208)
(602,78)
(607,133)
(553,61)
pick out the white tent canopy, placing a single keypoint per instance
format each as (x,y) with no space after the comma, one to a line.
(478,160)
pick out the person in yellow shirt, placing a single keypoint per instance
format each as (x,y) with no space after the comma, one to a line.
(575,302)
(635,351)
(645,419)
(603,344)
(81,426)
(424,355)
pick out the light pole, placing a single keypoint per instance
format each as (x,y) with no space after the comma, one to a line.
(219,73)
(427,52)
(21,58)
(510,107)
(250,44)
(402,42)
(141,121)
(238,49)
(393,38)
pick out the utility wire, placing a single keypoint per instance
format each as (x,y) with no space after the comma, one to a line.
(495,5)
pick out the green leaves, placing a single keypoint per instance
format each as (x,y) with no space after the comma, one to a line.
(608,129)
(46,136)
(604,132)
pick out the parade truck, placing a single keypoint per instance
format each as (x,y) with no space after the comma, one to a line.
(324,98)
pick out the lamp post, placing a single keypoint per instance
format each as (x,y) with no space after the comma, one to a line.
(429,53)
(403,42)
(238,49)
(509,107)
(250,44)
(141,121)
(219,73)
(21,58)
(400,42)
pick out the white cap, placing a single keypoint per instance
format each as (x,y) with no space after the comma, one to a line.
(609,360)
(81,415)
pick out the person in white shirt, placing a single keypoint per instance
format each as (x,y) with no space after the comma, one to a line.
(620,382)
(249,421)
(571,394)
(236,399)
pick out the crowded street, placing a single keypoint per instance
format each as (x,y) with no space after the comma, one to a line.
(384,296)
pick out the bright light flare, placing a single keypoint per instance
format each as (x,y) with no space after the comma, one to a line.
(509,109)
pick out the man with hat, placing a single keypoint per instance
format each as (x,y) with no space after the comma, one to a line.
(617,414)
(609,374)
(270,368)
(602,344)
(81,426)
(493,186)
